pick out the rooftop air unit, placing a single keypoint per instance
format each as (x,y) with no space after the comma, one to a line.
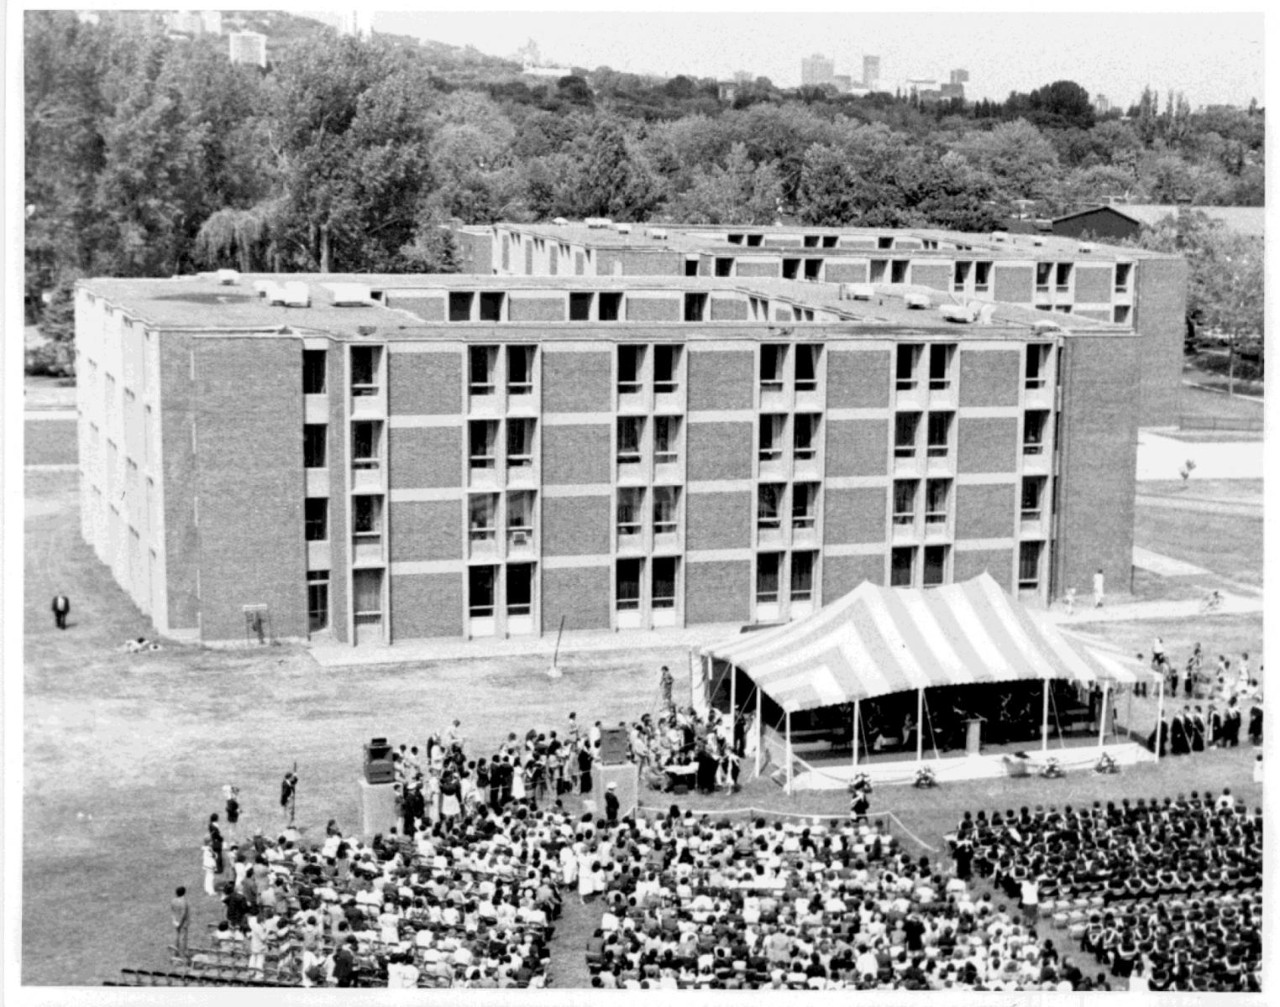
(349,294)
(918,301)
(1085,248)
(264,288)
(560,221)
(296,295)
(856,291)
(623,228)
(1047,326)
(1037,241)
(228,277)
(999,236)
(658,233)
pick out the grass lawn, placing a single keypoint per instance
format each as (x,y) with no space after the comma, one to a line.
(141,745)
(1245,491)
(44,392)
(1212,436)
(50,442)
(1229,545)
(1201,408)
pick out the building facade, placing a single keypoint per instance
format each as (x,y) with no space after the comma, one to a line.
(400,457)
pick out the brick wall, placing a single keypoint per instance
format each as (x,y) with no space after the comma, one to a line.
(718,520)
(583,594)
(717,592)
(763,267)
(649,262)
(1094,284)
(424,457)
(425,530)
(1097,457)
(654,309)
(577,455)
(476,252)
(250,481)
(987,444)
(855,515)
(181,538)
(720,450)
(858,379)
(935,275)
(429,309)
(1160,310)
(577,382)
(339,560)
(1012,284)
(721,379)
(1097,314)
(536,309)
(857,447)
(843,272)
(989,377)
(426,605)
(997,562)
(576,526)
(841,574)
(986,511)
(725,309)
(422,383)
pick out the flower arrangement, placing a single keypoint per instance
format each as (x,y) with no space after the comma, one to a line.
(1106,764)
(1053,770)
(925,777)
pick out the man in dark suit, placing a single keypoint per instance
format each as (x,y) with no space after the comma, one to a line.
(61,609)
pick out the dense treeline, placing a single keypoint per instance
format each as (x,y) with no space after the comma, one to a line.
(150,155)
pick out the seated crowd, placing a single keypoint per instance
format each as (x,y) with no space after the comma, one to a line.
(1167,891)
(696,903)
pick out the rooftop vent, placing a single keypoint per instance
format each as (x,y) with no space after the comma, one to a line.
(856,291)
(1085,248)
(560,221)
(999,236)
(967,314)
(264,288)
(1047,326)
(598,222)
(366,330)
(623,228)
(658,233)
(228,277)
(918,301)
(296,295)
(349,294)
(1037,241)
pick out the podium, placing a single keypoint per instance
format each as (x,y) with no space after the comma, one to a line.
(627,777)
(377,808)
(973,736)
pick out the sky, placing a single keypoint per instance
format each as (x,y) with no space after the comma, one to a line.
(1211,58)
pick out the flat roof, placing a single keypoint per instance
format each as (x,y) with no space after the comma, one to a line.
(200,303)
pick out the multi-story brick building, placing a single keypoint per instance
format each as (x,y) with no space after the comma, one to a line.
(1129,286)
(408,457)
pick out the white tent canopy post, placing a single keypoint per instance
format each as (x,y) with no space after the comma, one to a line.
(919,725)
(759,729)
(1159,717)
(733,692)
(1044,719)
(857,713)
(1102,715)
(789,764)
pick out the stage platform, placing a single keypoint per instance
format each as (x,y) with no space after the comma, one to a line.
(829,772)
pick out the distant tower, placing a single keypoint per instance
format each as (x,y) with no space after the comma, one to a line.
(816,70)
(959,76)
(871,72)
(1101,105)
(356,22)
(212,21)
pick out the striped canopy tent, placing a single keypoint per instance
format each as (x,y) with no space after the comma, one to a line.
(876,641)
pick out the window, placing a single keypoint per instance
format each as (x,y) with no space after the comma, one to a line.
(807,367)
(314,364)
(366,444)
(936,494)
(316,519)
(1123,271)
(791,269)
(460,305)
(520,519)
(908,358)
(939,434)
(481,584)
(724,267)
(483,363)
(666,369)
(806,436)
(666,440)
(366,512)
(695,307)
(1044,273)
(364,370)
(1032,495)
(878,269)
(1120,314)
(802,564)
(773,357)
(904,501)
(491,303)
(768,569)
(1037,364)
(519,443)
(482,518)
(1063,277)
(665,569)
(690,267)
(580,307)
(314,436)
(902,565)
(884,242)
(1033,428)
(772,430)
(1029,565)
(735,239)
(755,240)
(813,269)
(630,369)
(367,588)
(630,433)
(898,271)
(804,505)
(811,240)
(520,589)
(935,565)
(905,426)
(940,358)
(317,600)
(769,509)
(960,276)
(609,307)
(830,240)
(666,503)
(627,585)
(981,276)
(520,370)
(483,440)
(630,510)
(1064,309)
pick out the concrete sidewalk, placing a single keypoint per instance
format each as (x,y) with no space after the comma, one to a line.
(1137,611)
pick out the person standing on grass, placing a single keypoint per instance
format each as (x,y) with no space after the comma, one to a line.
(233,810)
(215,843)
(288,796)
(1099,583)
(61,609)
(209,863)
(257,944)
(181,913)
(665,684)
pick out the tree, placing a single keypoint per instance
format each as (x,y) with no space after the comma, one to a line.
(1021,163)
(1064,104)
(739,192)
(611,179)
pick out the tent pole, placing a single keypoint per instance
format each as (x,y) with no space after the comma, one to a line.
(857,713)
(733,692)
(789,761)
(759,731)
(920,725)
(1102,716)
(1044,718)
(1159,717)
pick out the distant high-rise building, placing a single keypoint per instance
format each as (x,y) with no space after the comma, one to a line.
(871,71)
(212,20)
(248,47)
(959,76)
(816,70)
(185,22)
(1101,105)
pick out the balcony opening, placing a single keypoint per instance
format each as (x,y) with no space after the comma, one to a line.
(1029,565)
(806,436)
(690,267)
(460,302)
(802,564)
(807,355)
(937,493)
(1124,270)
(520,370)
(812,240)
(960,275)
(791,269)
(666,508)
(315,364)
(939,434)
(364,369)
(482,519)
(879,269)
(580,307)
(902,566)
(772,431)
(666,369)
(481,587)
(735,239)
(724,267)
(666,570)
(630,369)
(1064,277)
(904,501)
(483,364)
(491,305)
(520,443)
(1033,429)
(628,576)
(1037,365)
(941,356)
(905,427)
(314,442)
(666,440)
(1032,497)
(768,572)
(982,277)
(483,438)
(773,358)
(630,436)
(316,519)
(908,360)
(519,589)
(695,307)
(898,271)
(609,306)
(367,601)
(1120,314)
(884,241)
(317,600)
(755,240)
(366,444)
(935,565)
(830,240)
(1044,274)
(769,506)
(520,519)
(366,516)
(804,506)
(813,269)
